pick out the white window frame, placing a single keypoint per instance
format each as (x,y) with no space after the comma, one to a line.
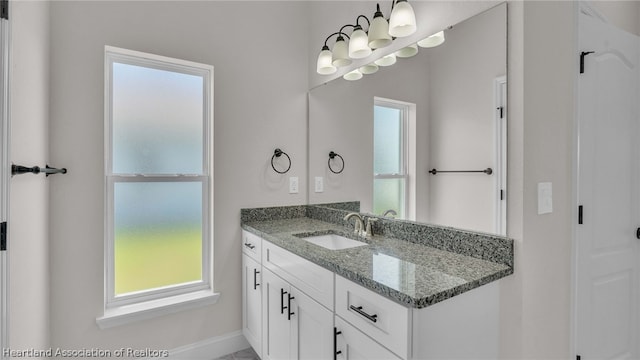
(123,308)
(408,150)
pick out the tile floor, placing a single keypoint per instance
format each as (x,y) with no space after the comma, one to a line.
(246,354)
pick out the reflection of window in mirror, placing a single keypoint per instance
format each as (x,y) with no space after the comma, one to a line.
(393,151)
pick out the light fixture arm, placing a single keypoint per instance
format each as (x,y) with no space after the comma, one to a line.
(339,33)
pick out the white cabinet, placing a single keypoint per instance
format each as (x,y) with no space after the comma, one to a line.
(252,302)
(295,326)
(252,290)
(351,344)
(385,321)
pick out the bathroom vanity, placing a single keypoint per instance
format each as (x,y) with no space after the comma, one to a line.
(411,291)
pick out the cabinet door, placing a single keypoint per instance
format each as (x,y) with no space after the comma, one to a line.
(252,302)
(275,322)
(354,345)
(311,328)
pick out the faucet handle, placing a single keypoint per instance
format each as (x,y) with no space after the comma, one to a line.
(369,230)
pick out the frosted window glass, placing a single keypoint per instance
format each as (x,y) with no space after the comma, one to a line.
(157,121)
(388,194)
(387,140)
(158,234)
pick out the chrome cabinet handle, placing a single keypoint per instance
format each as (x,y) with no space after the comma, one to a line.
(373,318)
(250,246)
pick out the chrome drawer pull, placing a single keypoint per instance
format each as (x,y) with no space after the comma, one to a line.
(250,246)
(358,309)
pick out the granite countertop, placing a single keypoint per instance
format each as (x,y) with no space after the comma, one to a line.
(409,273)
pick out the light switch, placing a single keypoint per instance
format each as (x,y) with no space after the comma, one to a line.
(545,198)
(293,185)
(319,184)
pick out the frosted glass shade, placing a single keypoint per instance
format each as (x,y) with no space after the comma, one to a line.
(408,51)
(353,75)
(369,69)
(379,33)
(387,60)
(324,65)
(359,44)
(433,40)
(341,53)
(403,20)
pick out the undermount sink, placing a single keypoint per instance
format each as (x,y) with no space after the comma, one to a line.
(331,241)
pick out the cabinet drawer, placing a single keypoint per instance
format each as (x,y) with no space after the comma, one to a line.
(313,280)
(384,320)
(352,344)
(252,245)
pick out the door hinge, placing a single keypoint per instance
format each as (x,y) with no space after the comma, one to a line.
(582,55)
(579,214)
(4,9)
(3,236)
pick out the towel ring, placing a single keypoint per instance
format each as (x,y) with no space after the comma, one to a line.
(332,155)
(276,154)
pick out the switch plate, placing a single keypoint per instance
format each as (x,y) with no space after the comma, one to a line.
(319,184)
(545,198)
(293,185)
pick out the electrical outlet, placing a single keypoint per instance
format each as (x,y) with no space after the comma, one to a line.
(293,185)
(319,184)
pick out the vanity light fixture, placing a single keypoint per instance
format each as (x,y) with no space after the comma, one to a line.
(403,20)
(360,44)
(408,51)
(432,41)
(369,69)
(353,75)
(386,60)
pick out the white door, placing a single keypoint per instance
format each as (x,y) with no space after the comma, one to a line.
(311,329)
(5,169)
(252,302)
(276,323)
(607,259)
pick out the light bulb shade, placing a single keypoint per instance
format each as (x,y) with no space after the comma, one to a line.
(341,54)
(433,40)
(369,69)
(387,60)
(408,51)
(379,33)
(359,45)
(353,75)
(403,20)
(324,66)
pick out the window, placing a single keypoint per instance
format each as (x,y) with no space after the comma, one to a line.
(159,177)
(391,148)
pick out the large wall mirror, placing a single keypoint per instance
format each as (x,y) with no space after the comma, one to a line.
(442,109)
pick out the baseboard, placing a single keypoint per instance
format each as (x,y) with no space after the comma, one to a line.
(212,348)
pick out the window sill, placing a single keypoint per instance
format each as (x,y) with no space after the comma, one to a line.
(126,314)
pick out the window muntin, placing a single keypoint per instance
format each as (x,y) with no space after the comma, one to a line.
(390,178)
(159,176)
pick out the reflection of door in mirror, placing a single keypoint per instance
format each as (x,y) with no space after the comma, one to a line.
(394,153)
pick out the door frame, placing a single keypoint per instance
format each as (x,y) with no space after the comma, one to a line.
(5,177)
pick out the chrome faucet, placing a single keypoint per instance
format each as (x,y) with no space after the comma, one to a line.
(359,225)
(391,212)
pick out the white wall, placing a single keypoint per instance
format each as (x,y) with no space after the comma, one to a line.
(259,53)
(28,248)
(462,121)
